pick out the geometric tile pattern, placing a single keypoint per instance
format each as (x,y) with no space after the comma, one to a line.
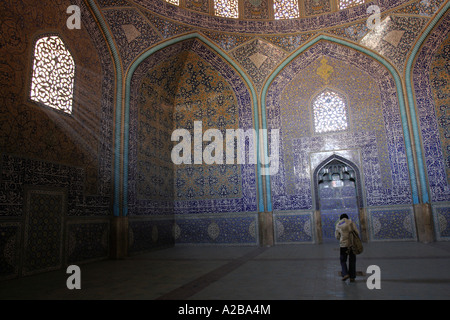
(395,223)
(43,242)
(156,124)
(421,7)
(198,5)
(239,113)
(48,154)
(260,26)
(441,218)
(440,86)
(294,227)
(256,9)
(394,39)
(221,229)
(258,58)
(227,41)
(132,32)
(18,172)
(354,32)
(313,7)
(113,3)
(425,91)
(166,28)
(220,112)
(289,42)
(375,127)
(87,241)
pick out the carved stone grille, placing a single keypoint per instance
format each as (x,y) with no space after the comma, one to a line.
(226,8)
(175,2)
(53,74)
(285,9)
(330,112)
(343,4)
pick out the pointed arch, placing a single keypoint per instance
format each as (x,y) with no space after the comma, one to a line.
(400,94)
(229,61)
(350,164)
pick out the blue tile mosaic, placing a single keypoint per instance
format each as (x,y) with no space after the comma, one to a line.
(378,141)
(150,234)
(199,20)
(392,224)
(245,199)
(294,228)
(441,217)
(428,106)
(223,230)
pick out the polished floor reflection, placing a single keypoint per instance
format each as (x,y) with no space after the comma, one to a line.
(408,270)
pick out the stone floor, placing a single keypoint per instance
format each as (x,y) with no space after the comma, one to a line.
(408,270)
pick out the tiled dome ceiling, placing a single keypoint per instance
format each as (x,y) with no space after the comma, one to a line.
(265,16)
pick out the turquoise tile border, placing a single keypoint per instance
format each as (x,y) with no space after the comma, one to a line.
(118,103)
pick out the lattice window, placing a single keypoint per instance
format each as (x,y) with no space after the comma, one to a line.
(330,112)
(175,2)
(226,8)
(285,9)
(343,4)
(53,74)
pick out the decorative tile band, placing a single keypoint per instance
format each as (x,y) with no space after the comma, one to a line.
(294,227)
(231,229)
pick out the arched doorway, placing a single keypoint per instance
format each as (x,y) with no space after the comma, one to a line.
(337,187)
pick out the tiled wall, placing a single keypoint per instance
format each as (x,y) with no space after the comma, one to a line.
(441,217)
(74,168)
(430,76)
(55,170)
(374,141)
(392,223)
(294,227)
(204,197)
(431,89)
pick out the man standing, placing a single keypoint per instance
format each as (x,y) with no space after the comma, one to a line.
(343,229)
